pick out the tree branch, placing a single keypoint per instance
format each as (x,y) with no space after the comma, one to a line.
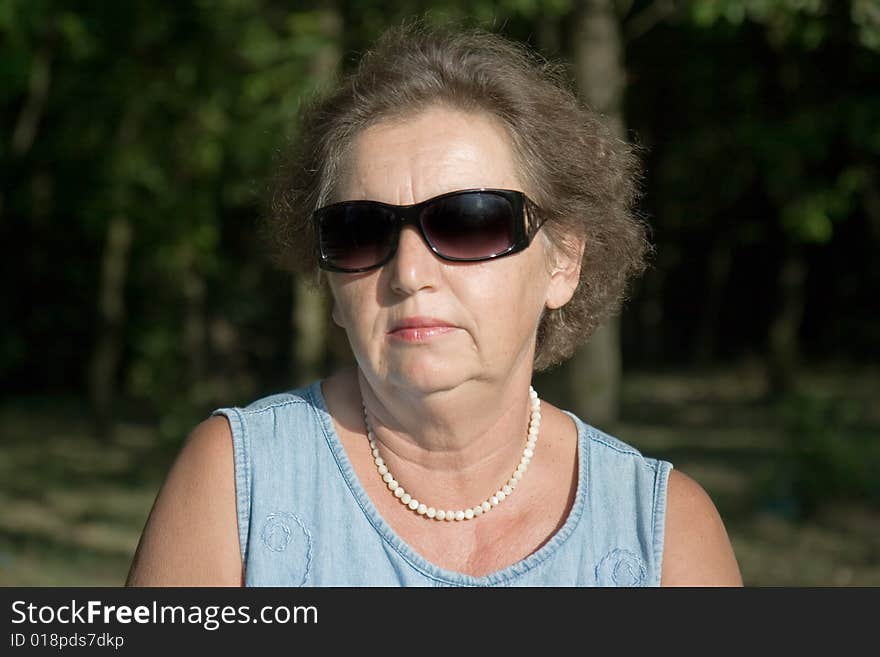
(25,130)
(645,20)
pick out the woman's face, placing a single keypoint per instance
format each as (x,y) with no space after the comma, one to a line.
(478,319)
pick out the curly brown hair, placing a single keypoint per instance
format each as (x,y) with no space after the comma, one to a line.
(584,179)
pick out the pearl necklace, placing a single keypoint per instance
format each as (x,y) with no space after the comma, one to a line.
(462,514)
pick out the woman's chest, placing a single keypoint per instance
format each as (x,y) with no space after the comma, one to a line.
(474,547)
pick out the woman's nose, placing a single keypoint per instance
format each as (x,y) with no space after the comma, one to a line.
(414,266)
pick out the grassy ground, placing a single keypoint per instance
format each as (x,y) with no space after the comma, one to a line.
(717,428)
(71,510)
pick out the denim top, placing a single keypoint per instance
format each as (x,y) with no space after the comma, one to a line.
(304,519)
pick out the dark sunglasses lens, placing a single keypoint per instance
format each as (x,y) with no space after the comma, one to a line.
(470,226)
(355,236)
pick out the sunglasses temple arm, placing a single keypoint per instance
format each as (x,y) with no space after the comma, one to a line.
(533,217)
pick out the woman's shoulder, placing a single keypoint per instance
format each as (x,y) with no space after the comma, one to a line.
(269,422)
(204,474)
(171,550)
(611,449)
(697,548)
(304,394)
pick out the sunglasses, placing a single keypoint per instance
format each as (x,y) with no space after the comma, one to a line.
(464,226)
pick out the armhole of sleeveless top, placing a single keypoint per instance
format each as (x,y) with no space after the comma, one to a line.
(659,514)
(241,460)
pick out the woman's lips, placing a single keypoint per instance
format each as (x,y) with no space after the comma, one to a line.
(419,329)
(421,334)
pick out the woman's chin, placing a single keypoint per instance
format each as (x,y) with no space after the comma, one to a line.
(429,374)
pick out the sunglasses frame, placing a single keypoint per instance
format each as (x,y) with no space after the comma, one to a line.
(524,231)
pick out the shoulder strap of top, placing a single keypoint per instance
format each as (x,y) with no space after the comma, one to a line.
(627,497)
(257,442)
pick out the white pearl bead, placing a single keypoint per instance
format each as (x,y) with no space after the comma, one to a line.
(501,495)
(512,482)
(431,512)
(383,470)
(518,474)
(468,514)
(450,515)
(376,452)
(486,506)
(478,511)
(399,492)
(441,514)
(405,498)
(393,485)
(506,489)
(379,461)
(387,478)
(421,509)
(413,504)
(494,500)
(459,515)
(528,452)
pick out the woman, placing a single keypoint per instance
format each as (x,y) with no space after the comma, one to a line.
(473,223)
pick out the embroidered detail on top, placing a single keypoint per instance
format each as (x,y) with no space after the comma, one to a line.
(282,528)
(621,568)
(276,533)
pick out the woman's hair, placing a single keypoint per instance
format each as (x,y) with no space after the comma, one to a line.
(584,179)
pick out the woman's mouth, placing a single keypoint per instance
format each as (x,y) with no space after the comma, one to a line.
(419,329)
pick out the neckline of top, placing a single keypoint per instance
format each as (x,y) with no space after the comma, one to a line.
(407,552)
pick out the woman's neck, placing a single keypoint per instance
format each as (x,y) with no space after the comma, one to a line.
(455,444)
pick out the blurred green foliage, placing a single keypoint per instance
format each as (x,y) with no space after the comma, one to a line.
(830,455)
(758,121)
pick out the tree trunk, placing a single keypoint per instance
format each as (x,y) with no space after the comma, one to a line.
(598,60)
(593,374)
(27,123)
(309,315)
(111,311)
(111,300)
(784,353)
(309,320)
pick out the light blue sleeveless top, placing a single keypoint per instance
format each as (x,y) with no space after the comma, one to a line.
(305,520)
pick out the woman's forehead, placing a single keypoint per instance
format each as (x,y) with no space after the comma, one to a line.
(430,153)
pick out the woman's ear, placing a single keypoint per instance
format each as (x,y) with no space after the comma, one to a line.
(565,272)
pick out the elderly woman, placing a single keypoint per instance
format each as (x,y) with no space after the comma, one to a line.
(473,223)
